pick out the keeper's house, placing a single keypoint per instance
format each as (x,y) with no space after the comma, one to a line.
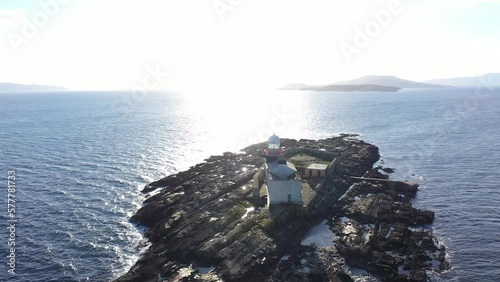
(315,170)
(283,183)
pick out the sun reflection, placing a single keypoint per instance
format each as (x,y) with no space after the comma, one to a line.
(231,120)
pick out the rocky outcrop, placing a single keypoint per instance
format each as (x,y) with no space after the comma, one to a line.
(373,225)
(205,218)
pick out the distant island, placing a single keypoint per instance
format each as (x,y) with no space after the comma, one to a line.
(490,80)
(388,81)
(366,83)
(335,87)
(391,83)
(13,87)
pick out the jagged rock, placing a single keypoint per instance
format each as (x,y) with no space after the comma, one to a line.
(205,216)
(374,173)
(388,169)
(372,232)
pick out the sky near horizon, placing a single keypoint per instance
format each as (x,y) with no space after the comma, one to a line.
(193,44)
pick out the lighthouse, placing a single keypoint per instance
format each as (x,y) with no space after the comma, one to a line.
(281,178)
(273,150)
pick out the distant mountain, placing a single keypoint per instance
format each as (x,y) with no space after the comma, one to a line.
(334,87)
(361,87)
(490,79)
(390,81)
(13,87)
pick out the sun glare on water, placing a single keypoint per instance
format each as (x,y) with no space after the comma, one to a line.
(234,119)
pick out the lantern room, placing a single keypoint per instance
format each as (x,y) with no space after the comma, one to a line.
(273,148)
(273,143)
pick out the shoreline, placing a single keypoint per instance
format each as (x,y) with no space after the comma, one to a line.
(203,218)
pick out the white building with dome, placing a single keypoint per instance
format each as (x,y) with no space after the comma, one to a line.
(274,149)
(282,180)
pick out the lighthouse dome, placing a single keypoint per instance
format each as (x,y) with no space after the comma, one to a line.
(273,142)
(274,139)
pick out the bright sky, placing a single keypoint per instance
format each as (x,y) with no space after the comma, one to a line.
(110,44)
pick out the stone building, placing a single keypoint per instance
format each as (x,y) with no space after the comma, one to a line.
(315,170)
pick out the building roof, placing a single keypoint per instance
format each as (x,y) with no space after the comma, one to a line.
(317,166)
(283,171)
(274,139)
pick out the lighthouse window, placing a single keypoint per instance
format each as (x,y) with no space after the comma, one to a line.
(274,146)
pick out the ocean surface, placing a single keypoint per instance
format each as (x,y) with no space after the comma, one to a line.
(81,159)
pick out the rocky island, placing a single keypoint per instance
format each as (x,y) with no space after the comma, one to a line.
(381,83)
(216,221)
(13,87)
(345,88)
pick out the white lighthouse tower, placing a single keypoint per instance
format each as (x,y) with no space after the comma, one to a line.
(273,150)
(281,178)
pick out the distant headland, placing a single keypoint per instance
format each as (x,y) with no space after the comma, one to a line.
(392,83)
(334,87)
(14,87)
